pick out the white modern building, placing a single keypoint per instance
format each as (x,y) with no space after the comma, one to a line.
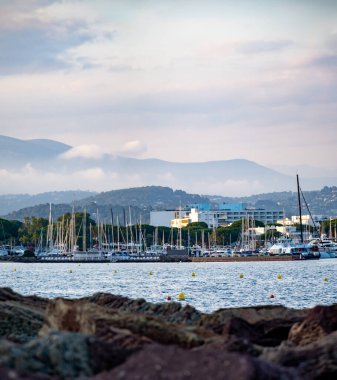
(170,218)
(226,214)
(306,219)
(231,212)
(162,218)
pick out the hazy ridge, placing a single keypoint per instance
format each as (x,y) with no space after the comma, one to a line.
(37,166)
(138,202)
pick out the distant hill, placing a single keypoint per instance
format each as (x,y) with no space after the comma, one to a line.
(16,152)
(157,197)
(45,159)
(15,202)
(135,201)
(41,165)
(138,202)
(320,202)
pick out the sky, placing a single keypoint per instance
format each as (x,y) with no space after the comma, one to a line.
(177,80)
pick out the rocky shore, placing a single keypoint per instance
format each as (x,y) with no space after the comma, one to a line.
(112,337)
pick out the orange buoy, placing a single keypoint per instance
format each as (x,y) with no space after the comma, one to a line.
(272,296)
(168,298)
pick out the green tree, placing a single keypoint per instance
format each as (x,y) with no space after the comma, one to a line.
(31,229)
(9,229)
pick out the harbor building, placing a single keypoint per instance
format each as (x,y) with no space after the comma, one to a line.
(306,219)
(226,213)
(162,218)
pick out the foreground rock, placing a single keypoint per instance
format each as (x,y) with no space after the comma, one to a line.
(111,337)
(21,318)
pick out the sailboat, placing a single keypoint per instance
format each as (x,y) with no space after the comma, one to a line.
(247,246)
(300,250)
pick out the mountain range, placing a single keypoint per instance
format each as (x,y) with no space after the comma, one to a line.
(40,165)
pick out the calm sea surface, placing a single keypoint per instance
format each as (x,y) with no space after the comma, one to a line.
(215,285)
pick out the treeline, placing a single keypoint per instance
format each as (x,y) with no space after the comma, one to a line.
(34,231)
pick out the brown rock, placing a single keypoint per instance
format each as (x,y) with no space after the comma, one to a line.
(64,355)
(173,363)
(11,374)
(61,354)
(7,294)
(172,312)
(317,360)
(264,333)
(88,318)
(251,315)
(320,321)
(264,325)
(20,317)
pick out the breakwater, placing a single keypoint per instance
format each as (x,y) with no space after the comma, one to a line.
(104,336)
(161,259)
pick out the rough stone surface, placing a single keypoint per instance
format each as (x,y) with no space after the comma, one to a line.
(88,318)
(58,354)
(320,321)
(112,337)
(173,363)
(170,312)
(317,360)
(20,317)
(11,374)
(251,315)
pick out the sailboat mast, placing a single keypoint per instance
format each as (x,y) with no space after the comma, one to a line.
(112,229)
(84,226)
(299,207)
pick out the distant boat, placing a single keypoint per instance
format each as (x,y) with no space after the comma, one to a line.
(300,250)
(281,247)
(326,247)
(247,246)
(3,251)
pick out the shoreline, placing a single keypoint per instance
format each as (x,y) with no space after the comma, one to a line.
(18,259)
(241,259)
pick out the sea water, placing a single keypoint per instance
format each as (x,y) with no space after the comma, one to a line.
(297,284)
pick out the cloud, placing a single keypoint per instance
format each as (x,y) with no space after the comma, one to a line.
(84,151)
(38,181)
(133,148)
(32,41)
(91,174)
(35,50)
(264,46)
(214,81)
(328,61)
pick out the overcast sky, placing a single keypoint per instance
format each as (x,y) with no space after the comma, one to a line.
(176,80)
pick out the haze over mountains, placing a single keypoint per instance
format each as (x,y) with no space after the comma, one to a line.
(40,165)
